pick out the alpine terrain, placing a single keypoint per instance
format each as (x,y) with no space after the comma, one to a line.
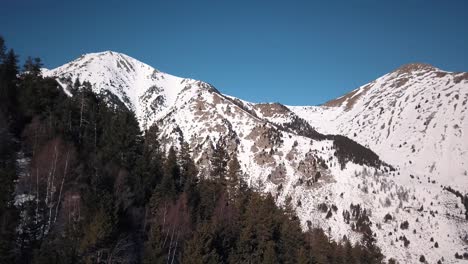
(386,163)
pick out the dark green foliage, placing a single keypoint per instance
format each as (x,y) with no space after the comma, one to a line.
(188,169)
(171,184)
(8,91)
(349,150)
(219,162)
(204,226)
(388,217)
(235,183)
(8,175)
(32,66)
(302,128)
(404,225)
(148,168)
(422,259)
(8,148)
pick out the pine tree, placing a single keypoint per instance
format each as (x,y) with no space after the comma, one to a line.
(33,66)
(291,238)
(100,228)
(201,249)
(154,251)
(8,212)
(75,87)
(234,176)
(8,148)
(219,162)
(348,252)
(269,256)
(8,80)
(371,252)
(303,257)
(171,179)
(188,169)
(2,49)
(10,66)
(149,167)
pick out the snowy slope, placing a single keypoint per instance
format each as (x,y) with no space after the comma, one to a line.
(280,153)
(414,117)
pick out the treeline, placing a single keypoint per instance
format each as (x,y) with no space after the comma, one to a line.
(349,150)
(80,183)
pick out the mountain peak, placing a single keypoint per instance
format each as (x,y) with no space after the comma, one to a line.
(140,87)
(415,66)
(104,53)
(106,58)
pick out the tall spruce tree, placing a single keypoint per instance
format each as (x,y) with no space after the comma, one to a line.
(32,66)
(170,184)
(234,178)
(188,169)
(8,148)
(8,81)
(8,176)
(219,162)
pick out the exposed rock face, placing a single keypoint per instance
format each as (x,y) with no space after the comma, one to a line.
(270,110)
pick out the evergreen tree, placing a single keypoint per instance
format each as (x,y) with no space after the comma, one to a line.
(170,184)
(8,80)
(303,257)
(270,256)
(154,251)
(200,249)
(8,148)
(10,66)
(33,66)
(234,177)
(149,167)
(188,169)
(371,252)
(348,252)
(2,50)
(219,162)
(8,212)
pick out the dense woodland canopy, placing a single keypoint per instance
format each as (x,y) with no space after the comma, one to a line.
(80,183)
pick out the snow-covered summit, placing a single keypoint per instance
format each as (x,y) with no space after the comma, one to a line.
(142,88)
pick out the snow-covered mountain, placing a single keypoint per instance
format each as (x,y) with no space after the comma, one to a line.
(322,176)
(414,118)
(143,89)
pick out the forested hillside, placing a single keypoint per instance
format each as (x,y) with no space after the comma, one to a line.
(80,183)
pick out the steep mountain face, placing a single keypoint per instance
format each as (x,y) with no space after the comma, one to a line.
(332,182)
(414,118)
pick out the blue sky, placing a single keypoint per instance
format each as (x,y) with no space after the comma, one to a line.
(294,52)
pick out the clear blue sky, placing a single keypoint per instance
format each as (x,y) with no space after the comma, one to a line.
(294,52)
